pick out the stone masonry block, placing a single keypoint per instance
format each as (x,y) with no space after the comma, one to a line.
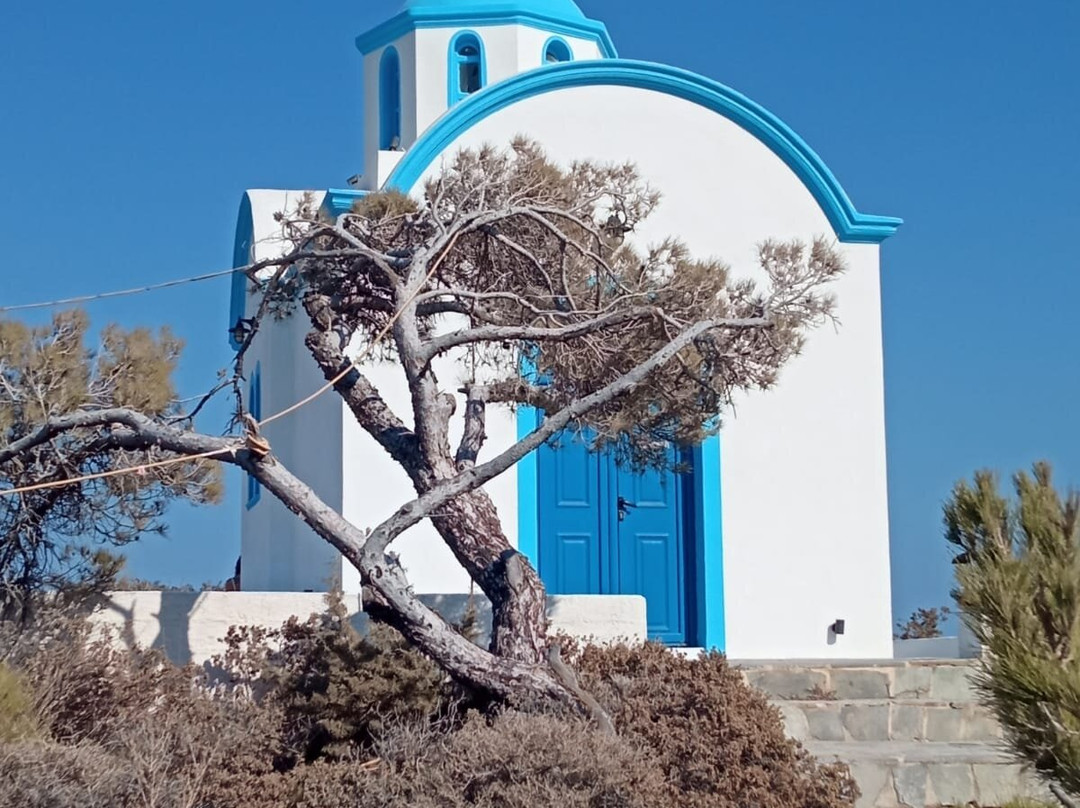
(952,783)
(875,783)
(866,722)
(944,724)
(952,683)
(910,780)
(907,723)
(980,725)
(1035,787)
(795,723)
(999,783)
(786,684)
(911,682)
(824,723)
(860,684)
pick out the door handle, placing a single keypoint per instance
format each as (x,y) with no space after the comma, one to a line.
(623,507)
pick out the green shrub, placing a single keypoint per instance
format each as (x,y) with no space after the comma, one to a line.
(336,689)
(1018,587)
(18,718)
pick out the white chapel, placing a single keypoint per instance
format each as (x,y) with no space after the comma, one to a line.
(775,545)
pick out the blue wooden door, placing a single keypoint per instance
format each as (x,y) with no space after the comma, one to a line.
(651,557)
(571,519)
(604,530)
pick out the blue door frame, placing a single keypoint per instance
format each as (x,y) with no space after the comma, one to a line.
(702,546)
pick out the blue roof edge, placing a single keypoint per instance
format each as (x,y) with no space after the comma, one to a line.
(509,13)
(849,224)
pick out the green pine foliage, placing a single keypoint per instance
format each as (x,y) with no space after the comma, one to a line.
(337,689)
(1018,587)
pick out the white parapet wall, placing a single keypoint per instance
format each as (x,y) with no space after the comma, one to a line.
(190,626)
(929,648)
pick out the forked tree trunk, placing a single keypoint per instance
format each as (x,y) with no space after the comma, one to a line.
(470,526)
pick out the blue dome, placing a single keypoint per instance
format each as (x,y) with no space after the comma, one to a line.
(555,16)
(560,9)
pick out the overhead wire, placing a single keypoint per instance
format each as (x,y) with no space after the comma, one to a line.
(68,301)
(142,467)
(353,363)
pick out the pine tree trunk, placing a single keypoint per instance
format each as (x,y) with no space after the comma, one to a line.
(470,526)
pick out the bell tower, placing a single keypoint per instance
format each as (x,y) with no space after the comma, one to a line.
(434,54)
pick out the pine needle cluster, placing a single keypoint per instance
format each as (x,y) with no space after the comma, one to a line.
(1018,586)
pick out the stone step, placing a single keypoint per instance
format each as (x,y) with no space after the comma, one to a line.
(911,774)
(948,681)
(889,720)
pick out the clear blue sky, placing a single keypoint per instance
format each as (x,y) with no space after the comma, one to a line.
(128,132)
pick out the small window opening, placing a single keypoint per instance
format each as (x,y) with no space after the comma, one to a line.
(556,50)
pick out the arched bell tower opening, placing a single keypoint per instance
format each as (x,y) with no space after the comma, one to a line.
(467,68)
(390,100)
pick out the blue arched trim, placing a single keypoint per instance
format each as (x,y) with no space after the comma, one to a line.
(710,628)
(528,482)
(389,97)
(848,223)
(254,407)
(558,47)
(507,12)
(245,234)
(454,92)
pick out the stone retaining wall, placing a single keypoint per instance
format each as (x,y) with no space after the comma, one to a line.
(913,732)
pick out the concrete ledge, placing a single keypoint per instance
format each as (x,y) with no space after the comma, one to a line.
(190,626)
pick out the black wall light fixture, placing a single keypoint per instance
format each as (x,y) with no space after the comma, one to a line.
(837,627)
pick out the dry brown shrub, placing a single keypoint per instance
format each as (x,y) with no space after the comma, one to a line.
(84,688)
(719,742)
(128,729)
(515,760)
(40,775)
(177,741)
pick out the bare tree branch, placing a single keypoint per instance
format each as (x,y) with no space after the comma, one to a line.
(494,333)
(420,624)
(413,512)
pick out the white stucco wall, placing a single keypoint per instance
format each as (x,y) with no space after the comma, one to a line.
(804,490)
(279,551)
(508,50)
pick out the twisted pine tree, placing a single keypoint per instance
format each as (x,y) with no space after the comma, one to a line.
(1018,586)
(503,260)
